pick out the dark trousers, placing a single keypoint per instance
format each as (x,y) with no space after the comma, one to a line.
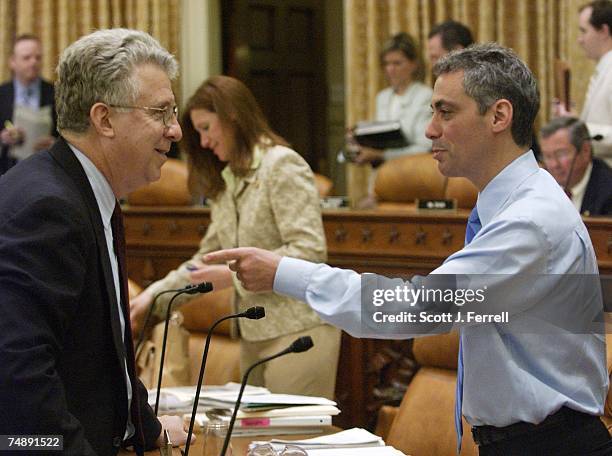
(565,433)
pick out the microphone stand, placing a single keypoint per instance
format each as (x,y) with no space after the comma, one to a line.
(252,313)
(149,313)
(204,287)
(299,345)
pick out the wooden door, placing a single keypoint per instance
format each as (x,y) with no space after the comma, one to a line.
(276,49)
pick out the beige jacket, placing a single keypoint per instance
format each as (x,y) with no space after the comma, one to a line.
(276,207)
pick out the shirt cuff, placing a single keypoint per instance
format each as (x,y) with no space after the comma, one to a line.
(292,277)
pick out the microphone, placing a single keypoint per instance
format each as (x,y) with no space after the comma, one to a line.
(204,287)
(298,346)
(252,313)
(596,137)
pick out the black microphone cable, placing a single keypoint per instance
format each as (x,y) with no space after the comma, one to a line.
(204,287)
(300,345)
(252,313)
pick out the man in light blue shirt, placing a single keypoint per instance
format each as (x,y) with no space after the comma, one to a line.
(526,387)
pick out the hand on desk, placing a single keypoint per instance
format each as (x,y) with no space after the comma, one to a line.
(255,268)
(176,430)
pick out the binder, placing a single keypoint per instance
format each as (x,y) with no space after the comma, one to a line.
(380,135)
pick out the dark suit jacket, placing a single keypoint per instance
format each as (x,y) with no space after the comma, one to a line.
(598,194)
(7,102)
(61,353)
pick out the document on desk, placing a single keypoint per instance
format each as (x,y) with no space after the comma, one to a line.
(179,397)
(353,442)
(262,401)
(35,124)
(354,437)
(378,451)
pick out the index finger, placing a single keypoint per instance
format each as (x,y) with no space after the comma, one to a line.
(226,255)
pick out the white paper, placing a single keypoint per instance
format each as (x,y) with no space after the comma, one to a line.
(378,451)
(354,436)
(35,124)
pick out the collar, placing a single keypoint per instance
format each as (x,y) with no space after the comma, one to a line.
(100,186)
(604,62)
(496,193)
(21,88)
(232,181)
(579,189)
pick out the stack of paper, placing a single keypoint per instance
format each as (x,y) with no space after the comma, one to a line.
(252,402)
(267,414)
(179,399)
(354,441)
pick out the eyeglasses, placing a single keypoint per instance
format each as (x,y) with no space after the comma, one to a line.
(266,449)
(558,156)
(165,114)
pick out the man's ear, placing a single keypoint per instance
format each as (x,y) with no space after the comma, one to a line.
(99,115)
(585,148)
(501,115)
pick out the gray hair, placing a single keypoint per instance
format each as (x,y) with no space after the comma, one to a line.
(576,128)
(99,67)
(493,72)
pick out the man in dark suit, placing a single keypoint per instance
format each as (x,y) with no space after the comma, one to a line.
(567,155)
(66,346)
(26,89)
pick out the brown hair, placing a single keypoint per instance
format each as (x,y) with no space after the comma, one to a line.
(240,115)
(407,45)
(25,37)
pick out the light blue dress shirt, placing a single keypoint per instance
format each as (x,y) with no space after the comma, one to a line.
(27,95)
(529,227)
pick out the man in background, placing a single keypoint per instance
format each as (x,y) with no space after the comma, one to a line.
(595,22)
(26,89)
(567,154)
(446,37)
(65,340)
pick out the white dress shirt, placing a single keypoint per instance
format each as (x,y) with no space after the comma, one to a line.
(529,228)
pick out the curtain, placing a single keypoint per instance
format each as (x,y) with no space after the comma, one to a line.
(60,22)
(540,31)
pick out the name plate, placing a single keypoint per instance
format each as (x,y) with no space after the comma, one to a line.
(335,202)
(436,204)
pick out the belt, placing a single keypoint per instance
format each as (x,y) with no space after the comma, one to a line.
(486,435)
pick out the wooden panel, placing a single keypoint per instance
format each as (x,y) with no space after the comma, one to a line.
(262,37)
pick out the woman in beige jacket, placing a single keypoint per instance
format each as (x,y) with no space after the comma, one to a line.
(262,194)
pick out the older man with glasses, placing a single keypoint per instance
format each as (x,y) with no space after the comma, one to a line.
(65,339)
(568,155)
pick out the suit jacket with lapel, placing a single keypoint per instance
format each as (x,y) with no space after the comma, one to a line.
(60,343)
(598,194)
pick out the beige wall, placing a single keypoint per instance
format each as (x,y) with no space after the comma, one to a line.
(200,53)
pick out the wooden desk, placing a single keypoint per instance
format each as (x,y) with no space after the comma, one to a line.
(395,243)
